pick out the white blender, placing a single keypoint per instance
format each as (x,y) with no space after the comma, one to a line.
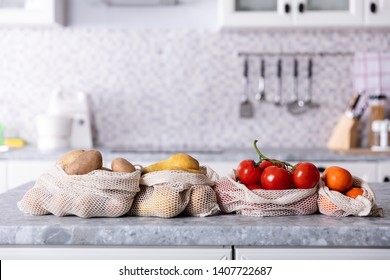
(66,124)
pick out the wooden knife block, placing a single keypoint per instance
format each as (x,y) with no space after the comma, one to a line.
(345,134)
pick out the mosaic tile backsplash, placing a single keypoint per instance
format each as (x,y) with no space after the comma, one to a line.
(180,88)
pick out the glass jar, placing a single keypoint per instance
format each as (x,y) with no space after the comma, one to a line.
(377,104)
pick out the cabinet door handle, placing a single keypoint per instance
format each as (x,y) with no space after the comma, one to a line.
(287,8)
(301,7)
(373,8)
(386,179)
(321,169)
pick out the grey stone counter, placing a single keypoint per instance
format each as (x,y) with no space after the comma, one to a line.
(304,231)
(227,155)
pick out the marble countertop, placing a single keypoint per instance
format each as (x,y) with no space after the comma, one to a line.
(289,231)
(231,154)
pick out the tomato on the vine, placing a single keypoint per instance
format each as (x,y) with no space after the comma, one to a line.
(265,163)
(249,172)
(254,187)
(276,178)
(305,175)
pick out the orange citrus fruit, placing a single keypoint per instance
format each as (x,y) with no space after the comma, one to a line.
(337,178)
(325,206)
(354,192)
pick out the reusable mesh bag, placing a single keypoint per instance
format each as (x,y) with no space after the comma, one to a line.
(235,197)
(169,193)
(334,203)
(99,193)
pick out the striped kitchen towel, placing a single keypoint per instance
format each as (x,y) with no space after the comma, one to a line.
(372,72)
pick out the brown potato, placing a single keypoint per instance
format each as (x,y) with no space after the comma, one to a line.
(122,165)
(106,169)
(85,163)
(69,157)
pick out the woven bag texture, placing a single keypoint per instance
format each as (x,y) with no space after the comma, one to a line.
(169,193)
(99,193)
(334,203)
(235,197)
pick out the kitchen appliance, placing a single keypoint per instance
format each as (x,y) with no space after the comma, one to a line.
(66,123)
(53,131)
(380,129)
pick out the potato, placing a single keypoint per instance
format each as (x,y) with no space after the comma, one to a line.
(85,163)
(122,165)
(69,157)
(106,169)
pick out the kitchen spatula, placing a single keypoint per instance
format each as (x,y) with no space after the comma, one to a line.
(246,107)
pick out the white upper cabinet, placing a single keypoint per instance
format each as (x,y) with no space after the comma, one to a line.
(328,13)
(31,12)
(250,13)
(377,12)
(303,13)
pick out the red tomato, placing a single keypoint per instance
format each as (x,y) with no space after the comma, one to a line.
(254,187)
(265,163)
(276,178)
(248,173)
(305,175)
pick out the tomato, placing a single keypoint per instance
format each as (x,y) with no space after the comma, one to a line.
(305,175)
(337,178)
(254,187)
(265,163)
(248,172)
(276,178)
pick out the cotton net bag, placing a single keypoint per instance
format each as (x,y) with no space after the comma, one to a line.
(334,203)
(99,193)
(236,197)
(168,193)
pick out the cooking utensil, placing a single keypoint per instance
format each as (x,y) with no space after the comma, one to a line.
(278,96)
(260,94)
(296,106)
(246,108)
(308,101)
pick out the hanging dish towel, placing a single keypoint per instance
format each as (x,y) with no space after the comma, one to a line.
(372,72)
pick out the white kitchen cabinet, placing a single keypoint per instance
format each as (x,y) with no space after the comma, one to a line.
(328,13)
(250,13)
(253,253)
(377,12)
(303,13)
(33,12)
(3,176)
(22,171)
(383,171)
(222,168)
(115,253)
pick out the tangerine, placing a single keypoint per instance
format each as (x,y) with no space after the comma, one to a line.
(337,179)
(325,206)
(354,192)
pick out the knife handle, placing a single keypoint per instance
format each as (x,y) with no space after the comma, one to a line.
(354,101)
